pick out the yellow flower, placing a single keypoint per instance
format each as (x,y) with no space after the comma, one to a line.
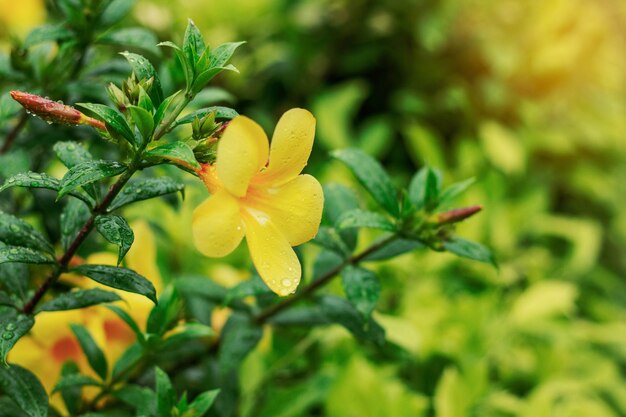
(268,202)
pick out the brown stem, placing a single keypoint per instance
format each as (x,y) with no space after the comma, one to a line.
(21,122)
(65,259)
(272,310)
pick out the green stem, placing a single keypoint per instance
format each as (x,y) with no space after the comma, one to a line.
(271,311)
(165,125)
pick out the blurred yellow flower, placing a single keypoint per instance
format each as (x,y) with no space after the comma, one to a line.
(20,19)
(269,202)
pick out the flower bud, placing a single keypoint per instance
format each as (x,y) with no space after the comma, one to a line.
(456,215)
(53,111)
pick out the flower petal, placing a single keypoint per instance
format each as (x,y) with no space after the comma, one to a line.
(295,207)
(291,146)
(273,257)
(241,153)
(216,225)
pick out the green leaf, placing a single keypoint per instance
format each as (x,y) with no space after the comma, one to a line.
(146,189)
(328,238)
(193,45)
(120,278)
(7,300)
(114,120)
(116,230)
(326,262)
(341,311)
(79,299)
(362,289)
(24,389)
(201,404)
(73,217)
(455,190)
(47,33)
(72,395)
(250,287)
(220,55)
(166,396)
(129,321)
(338,200)
(204,77)
(31,180)
(144,71)
(24,256)
(393,249)
(163,107)
(470,250)
(16,232)
(137,37)
(14,278)
(361,218)
(143,120)
(37,180)
(88,172)
(178,152)
(424,189)
(72,154)
(189,332)
(75,380)
(187,68)
(165,313)
(12,327)
(143,400)
(220,113)
(372,176)
(115,11)
(94,354)
(239,337)
(201,287)
(129,359)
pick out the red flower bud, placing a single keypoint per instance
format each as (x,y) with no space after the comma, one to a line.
(456,215)
(52,111)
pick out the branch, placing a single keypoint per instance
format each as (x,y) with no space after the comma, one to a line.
(322,281)
(14,132)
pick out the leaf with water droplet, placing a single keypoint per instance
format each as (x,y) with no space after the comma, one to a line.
(114,120)
(79,299)
(37,180)
(144,71)
(23,387)
(13,326)
(120,278)
(24,255)
(88,172)
(177,152)
(362,289)
(73,217)
(146,189)
(117,231)
(16,232)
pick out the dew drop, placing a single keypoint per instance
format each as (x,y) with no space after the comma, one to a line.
(286,282)
(10,327)
(8,335)
(15,228)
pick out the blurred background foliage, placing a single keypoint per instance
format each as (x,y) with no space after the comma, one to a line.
(530,98)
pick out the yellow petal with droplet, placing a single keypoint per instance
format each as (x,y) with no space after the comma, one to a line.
(295,207)
(291,147)
(216,225)
(241,153)
(273,257)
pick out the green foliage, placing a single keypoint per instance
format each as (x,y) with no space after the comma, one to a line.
(120,278)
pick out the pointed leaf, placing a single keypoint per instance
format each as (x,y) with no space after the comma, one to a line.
(239,337)
(362,289)
(146,189)
(94,354)
(117,231)
(363,218)
(113,119)
(115,11)
(37,180)
(339,199)
(129,359)
(46,33)
(79,299)
(143,120)
(220,55)
(17,232)
(470,250)
(144,71)
(120,278)
(220,113)
(75,380)
(201,404)
(424,189)
(166,397)
(24,256)
(165,313)
(178,152)
(372,176)
(73,217)
(24,389)
(137,37)
(129,321)
(193,45)
(455,190)
(13,326)
(88,172)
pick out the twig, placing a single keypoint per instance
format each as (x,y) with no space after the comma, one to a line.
(322,281)
(14,132)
